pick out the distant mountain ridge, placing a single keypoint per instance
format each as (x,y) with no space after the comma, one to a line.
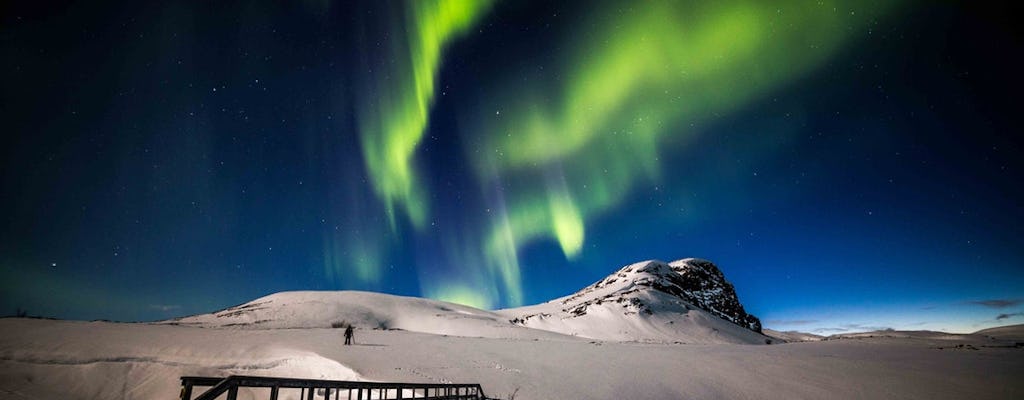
(792,336)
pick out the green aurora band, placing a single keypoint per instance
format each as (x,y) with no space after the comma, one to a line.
(392,114)
(393,122)
(636,85)
(552,153)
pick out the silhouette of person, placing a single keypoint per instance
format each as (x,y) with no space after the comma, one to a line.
(348,335)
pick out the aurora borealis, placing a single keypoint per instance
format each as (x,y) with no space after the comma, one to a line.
(847,164)
(633,86)
(393,113)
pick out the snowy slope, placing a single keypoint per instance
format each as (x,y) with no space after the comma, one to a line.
(364,310)
(101,360)
(1010,332)
(685,301)
(792,336)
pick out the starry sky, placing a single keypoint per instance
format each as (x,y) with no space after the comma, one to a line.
(850,165)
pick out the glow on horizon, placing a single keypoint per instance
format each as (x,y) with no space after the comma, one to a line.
(468,296)
(956,317)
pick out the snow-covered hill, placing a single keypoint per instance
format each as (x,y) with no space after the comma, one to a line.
(1010,332)
(364,310)
(685,301)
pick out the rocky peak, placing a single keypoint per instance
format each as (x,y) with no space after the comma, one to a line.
(697,282)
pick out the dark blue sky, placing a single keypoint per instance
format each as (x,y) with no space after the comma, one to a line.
(847,167)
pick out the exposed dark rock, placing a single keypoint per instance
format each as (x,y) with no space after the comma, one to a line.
(697,283)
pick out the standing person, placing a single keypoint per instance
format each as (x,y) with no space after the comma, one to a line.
(348,335)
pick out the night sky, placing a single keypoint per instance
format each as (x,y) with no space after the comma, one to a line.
(849,165)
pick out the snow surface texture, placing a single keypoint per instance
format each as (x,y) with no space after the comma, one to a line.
(101,360)
(685,301)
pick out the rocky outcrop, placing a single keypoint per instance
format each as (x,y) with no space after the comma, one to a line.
(696,283)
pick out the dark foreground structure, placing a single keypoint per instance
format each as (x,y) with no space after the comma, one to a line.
(309,389)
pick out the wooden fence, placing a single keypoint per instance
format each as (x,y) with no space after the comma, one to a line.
(308,389)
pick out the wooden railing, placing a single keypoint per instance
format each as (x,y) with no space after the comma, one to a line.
(308,389)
